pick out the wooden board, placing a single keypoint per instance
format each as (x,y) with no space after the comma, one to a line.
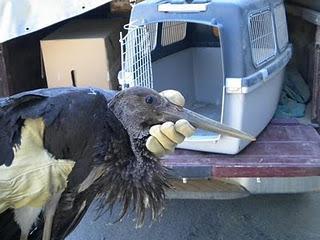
(284,149)
(4,91)
(206,189)
(20,67)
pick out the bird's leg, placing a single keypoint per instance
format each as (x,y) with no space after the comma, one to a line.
(50,210)
(76,218)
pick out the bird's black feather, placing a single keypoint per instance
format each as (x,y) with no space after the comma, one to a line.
(45,103)
(9,229)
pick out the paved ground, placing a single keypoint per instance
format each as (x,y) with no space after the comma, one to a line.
(284,217)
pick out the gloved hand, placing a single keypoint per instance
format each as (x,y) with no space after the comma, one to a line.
(165,137)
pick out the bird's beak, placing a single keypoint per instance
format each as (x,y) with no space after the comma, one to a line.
(174,113)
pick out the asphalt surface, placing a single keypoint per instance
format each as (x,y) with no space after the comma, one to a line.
(268,217)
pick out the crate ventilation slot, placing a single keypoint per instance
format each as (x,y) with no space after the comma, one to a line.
(173,32)
(281,26)
(262,37)
(152,29)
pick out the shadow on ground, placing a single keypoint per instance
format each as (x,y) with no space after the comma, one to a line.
(272,217)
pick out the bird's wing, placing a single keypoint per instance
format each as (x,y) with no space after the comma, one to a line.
(13,111)
(82,132)
(76,122)
(88,148)
(45,103)
(66,219)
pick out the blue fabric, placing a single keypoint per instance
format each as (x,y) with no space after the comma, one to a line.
(289,108)
(294,96)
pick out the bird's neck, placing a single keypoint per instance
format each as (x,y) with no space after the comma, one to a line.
(133,174)
(138,136)
(137,133)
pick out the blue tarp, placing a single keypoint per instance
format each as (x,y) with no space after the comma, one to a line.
(294,96)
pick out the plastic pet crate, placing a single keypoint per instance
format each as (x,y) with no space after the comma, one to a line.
(226,57)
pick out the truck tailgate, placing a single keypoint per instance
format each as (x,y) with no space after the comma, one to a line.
(286,153)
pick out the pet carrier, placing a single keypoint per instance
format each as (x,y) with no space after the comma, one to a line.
(226,57)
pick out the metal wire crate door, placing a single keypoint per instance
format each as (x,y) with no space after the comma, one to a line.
(135,58)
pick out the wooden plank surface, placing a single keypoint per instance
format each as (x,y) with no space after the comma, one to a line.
(283,149)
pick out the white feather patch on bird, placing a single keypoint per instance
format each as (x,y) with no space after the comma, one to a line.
(25,217)
(92,92)
(34,175)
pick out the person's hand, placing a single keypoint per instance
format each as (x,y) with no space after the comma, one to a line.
(165,137)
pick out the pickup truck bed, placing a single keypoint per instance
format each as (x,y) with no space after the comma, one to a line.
(284,159)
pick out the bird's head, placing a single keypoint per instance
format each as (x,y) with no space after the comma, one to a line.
(139,108)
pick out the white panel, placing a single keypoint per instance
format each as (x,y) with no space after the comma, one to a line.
(20,17)
(175,71)
(208,74)
(197,74)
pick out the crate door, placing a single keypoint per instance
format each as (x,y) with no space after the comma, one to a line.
(136,58)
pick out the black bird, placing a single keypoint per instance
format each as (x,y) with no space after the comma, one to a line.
(94,144)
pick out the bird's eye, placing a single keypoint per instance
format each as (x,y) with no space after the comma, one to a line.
(149,99)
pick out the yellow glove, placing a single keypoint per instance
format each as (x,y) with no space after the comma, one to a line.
(165,137)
